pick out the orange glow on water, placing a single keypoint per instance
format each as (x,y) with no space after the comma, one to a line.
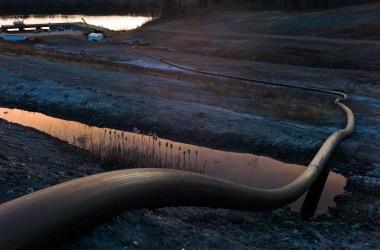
(247,169)
(113,22)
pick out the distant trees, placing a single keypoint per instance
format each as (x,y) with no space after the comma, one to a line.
(310,4)
(206,3)
(168,8)
(298,4)
(318,4)
(79,6)
(173,7)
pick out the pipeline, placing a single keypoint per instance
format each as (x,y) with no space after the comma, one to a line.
(66,209)
(133,49)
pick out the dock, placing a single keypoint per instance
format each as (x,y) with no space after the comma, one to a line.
(48,26)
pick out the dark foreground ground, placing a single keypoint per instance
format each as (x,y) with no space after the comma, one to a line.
(108,85)
(30,161)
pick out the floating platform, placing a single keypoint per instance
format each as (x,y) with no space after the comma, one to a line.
(48,26)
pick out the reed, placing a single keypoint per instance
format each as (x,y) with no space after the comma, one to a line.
(114,150)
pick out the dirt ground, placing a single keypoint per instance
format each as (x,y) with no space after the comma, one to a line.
(105,84)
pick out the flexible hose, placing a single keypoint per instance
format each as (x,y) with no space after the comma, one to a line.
(67,208)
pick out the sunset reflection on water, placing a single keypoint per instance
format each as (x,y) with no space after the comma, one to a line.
(246,169)
(113,22)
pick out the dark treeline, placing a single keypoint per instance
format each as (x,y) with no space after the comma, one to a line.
(285,4)
(174,7)
(305,4)
(138,7)
(154,8)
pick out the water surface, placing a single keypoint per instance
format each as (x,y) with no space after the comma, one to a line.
(247,169)
(113,22)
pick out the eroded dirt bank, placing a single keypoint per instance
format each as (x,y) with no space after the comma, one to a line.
(285,124)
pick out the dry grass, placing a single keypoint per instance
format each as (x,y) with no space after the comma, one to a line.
(240,96)
(289,104)
(114,150)
(311,58)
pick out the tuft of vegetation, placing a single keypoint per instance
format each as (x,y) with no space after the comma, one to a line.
(115,150)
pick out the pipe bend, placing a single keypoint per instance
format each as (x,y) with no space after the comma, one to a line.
(48,213)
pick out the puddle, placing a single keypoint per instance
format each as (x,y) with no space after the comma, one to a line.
(247,169)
